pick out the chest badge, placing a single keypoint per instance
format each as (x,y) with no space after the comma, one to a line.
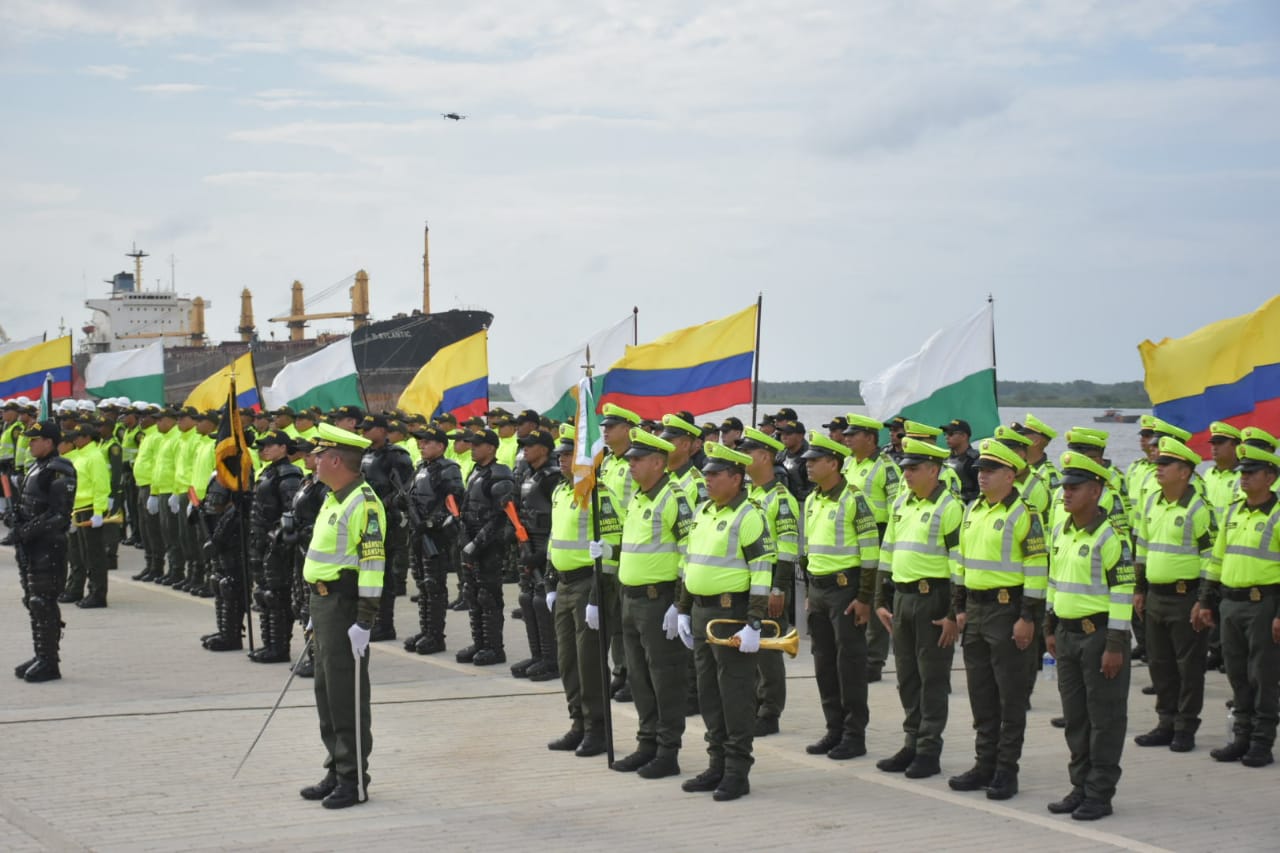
(1179,521)
(722,525)
(999,525)
(1084,550)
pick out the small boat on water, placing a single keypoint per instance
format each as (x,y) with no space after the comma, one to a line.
(1113,416)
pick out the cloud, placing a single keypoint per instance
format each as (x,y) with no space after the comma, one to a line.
(172,88)
(1248,55)
(113,72)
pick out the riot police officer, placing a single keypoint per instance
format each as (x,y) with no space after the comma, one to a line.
(297,526)
(40,524)
(484,524)
(435,531)
(222,551)
(270,558)
(388,469)
(535,484)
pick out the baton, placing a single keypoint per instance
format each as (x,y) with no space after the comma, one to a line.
(293,670)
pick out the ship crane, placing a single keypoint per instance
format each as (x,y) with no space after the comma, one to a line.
(297,318)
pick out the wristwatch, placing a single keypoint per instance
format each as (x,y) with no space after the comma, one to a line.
(754,624)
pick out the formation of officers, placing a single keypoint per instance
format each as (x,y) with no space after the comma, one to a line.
(909,548)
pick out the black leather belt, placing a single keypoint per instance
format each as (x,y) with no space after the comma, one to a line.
(724,599)
(649,590)
(572,575)
(1250,593)
(1085,624)
(1183,587)
(924,586)
(842,578)
(1003,595)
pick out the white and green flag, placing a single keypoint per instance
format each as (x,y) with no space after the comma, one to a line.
(136,373)
(326,379)
(588,439)
(952,376)
(549,389)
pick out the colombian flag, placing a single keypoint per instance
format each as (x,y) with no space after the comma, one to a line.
(1226,371)
(455,380)
(22,371)
(699,369)
(212,393)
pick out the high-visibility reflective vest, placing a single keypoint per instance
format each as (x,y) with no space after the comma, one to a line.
(1221,488)
(878,479)
(568,547)
(1003,545)
(690,481)
(923,536)
(615,475)
(839,531)
(653,535)
(1247,552)
(1174,539)
(350,535)
(729,550)
(144,463)
(781,513)
(1090,571)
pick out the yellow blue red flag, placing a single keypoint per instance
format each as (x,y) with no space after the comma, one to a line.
(455,380)
(212,393)
(23,371)
(1226,371)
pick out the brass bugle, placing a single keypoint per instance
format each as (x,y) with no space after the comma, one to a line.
(789,642)
(118,518)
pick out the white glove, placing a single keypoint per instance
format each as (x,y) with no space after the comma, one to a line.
(309,627)
(593,617)
(153,505)
(671,622)
(448,520)
(111,504)
(96,521)
(173,504)
(359,639)
(599,549)
(191,508)
(469,549)
(748,640)
(684,626)
(551,600)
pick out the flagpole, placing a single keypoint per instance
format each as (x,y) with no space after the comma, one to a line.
(755,367)
(602,635)
(635,327)
(995,390)
(242,521)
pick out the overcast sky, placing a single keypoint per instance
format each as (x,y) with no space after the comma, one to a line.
(1108,170)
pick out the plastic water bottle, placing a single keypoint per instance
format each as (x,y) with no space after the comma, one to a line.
(1048,668)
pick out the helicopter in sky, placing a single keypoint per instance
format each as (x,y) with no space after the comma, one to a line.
(453,116)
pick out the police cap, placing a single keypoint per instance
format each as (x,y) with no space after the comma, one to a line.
(1172,450)
(1254,458)
(754,439)
(1079,468)
(916,451)
(642,444)
(674,426)
(328,435)
(485,436)
(43,429)
(538,437)
(721,458)
(993,454)
(820,446)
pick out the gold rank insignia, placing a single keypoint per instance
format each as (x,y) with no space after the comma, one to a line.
(1255,594)
(1180,587)
(1088,626)
(726,600)
(923,586)
(1003,596)
(842,579)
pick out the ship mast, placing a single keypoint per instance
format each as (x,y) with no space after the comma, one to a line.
(137,264)
(426,269)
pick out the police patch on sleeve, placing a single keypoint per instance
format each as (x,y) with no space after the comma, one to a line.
(371,544)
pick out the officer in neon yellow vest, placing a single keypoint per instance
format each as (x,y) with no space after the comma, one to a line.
(919,554)
(727,572)
(93,489)
(684,474)
(148,511)
(929,435)
(1031,488)
(1257,437)
(1245,577)
(570,589)
(999,601)
(344,570)
(782,513)
(878,478)
(1041,434)
(614,474)
(1173,548)
(1090,607)
(842,549)
(1222,479)
(657,522)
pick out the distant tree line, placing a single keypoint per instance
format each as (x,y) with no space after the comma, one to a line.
(1077,393)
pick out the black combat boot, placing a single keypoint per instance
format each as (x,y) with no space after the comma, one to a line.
(46,632)
(548,666)
(219,607)
(475,614)
(277,625)
(492,652)
(432,610)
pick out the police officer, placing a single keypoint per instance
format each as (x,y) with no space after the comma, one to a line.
(929,435)
(570,589)
(728,571)
(1173,548)
(271,558)
(434,534)
(1221,489)
(964,457)
(148,510)
(39,525)
(1090,602)
(92,493)
(614,474)
(1031,488)
(296,528)
(999,602)
(1245,577)
(344,566)
(484,529)
(731,431)
(897,431)
(1041,434)
(113,454)
(877,476)
(196,468)
(222,549)
(388,469)
(130,438)
(842,546)
(685,476)
(657,522)
(535,485)
(782,514)
(919,554)
(162,489)
(791,458)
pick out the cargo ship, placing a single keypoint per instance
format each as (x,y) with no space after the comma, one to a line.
(388,353)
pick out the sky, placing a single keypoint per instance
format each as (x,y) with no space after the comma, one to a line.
(1108,172)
